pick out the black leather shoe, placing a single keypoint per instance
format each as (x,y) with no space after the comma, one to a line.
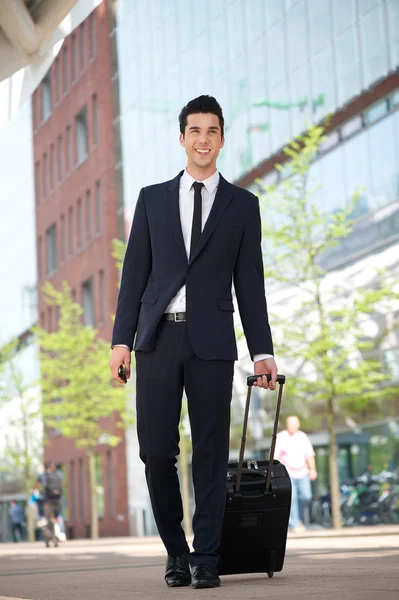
(205,576)
(177,573)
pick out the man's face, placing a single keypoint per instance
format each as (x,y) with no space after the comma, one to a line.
(202,141)
(293,425)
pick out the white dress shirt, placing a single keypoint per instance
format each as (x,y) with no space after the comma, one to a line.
(186,207)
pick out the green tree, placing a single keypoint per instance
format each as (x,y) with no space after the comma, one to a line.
(322,335)
(77,394)
(23,441)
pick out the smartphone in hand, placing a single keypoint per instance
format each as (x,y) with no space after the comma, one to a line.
(122,373)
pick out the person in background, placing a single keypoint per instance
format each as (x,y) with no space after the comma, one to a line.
(295,451)
(16,513)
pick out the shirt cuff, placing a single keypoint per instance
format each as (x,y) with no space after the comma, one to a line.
(121,345)
(258,357)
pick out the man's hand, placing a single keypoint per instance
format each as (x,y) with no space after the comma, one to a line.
(312,474)
(120,356)
(262,367)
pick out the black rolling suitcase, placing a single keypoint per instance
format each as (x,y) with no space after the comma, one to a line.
(255,524)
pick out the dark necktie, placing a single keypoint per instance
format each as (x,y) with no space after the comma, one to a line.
(197,216)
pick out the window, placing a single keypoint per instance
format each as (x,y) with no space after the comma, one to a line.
(80,224)
(95,120)
(50,327)
(57,80)
(89,220)
(60,159)
(73,489)
(63,239)
(92,33)
(71,237)
(66,70)
(37,181)
(82,511)
(74,58)
(42,320)
(46,97)
(40,258)
(110,477)
(101,290)
(68,150)
(45,174)
(51,239)
(82,47)
(88,303)
(52,168)
(100,485)
(57,313)
(376,112)
(82,145)
(99,210)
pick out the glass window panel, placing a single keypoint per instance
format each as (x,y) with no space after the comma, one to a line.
(254,19)
(300,105)
(92,33)
(393,20)
(333,194)
(74,58)
(280,127)
(383,165)
(99,210)
(45,176)
(351,126)
(357,169)
(57,79)
(374,47)
(52,167)
(79,218)
(65,65)
(88,303)
(235,30)
(323,84)
(348,67)
(376,112)
(101,286)
(320,24)
(276,55)
(63,239)
(82,35)
(51,243)
(273,12)
(89,217)
(297,35)
(46,97)
(366,5)
(344,12)
(60,149)
(71,230)
(100,485)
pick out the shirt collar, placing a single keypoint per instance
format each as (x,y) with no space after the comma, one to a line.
(210,184)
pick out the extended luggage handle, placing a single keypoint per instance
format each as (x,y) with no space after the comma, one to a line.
(250,382)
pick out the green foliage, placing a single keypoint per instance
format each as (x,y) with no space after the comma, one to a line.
(118,252)
(77,393)
(322,334)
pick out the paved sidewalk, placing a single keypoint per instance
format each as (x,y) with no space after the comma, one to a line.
(356,564)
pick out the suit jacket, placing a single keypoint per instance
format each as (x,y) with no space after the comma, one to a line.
(156,267)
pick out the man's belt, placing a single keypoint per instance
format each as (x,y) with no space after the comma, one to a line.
(177,317)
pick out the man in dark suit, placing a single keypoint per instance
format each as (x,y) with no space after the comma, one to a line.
(191,238)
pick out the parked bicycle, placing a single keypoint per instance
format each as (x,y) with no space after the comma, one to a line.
(366,500)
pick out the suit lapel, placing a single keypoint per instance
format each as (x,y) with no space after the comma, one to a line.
(173,211)
(224,194)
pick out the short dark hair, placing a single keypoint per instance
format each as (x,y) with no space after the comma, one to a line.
(202,104)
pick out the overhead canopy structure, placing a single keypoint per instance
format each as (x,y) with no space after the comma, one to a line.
(31,34)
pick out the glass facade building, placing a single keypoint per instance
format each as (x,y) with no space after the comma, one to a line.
(274,65)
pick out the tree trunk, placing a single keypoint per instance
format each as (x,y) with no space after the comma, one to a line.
(333,467)
(185,483)
(93,494)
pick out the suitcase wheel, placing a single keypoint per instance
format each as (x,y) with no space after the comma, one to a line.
(270,574)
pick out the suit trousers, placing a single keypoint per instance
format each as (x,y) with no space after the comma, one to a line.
(162,375)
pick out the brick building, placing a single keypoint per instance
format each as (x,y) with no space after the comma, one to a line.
(79,212)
